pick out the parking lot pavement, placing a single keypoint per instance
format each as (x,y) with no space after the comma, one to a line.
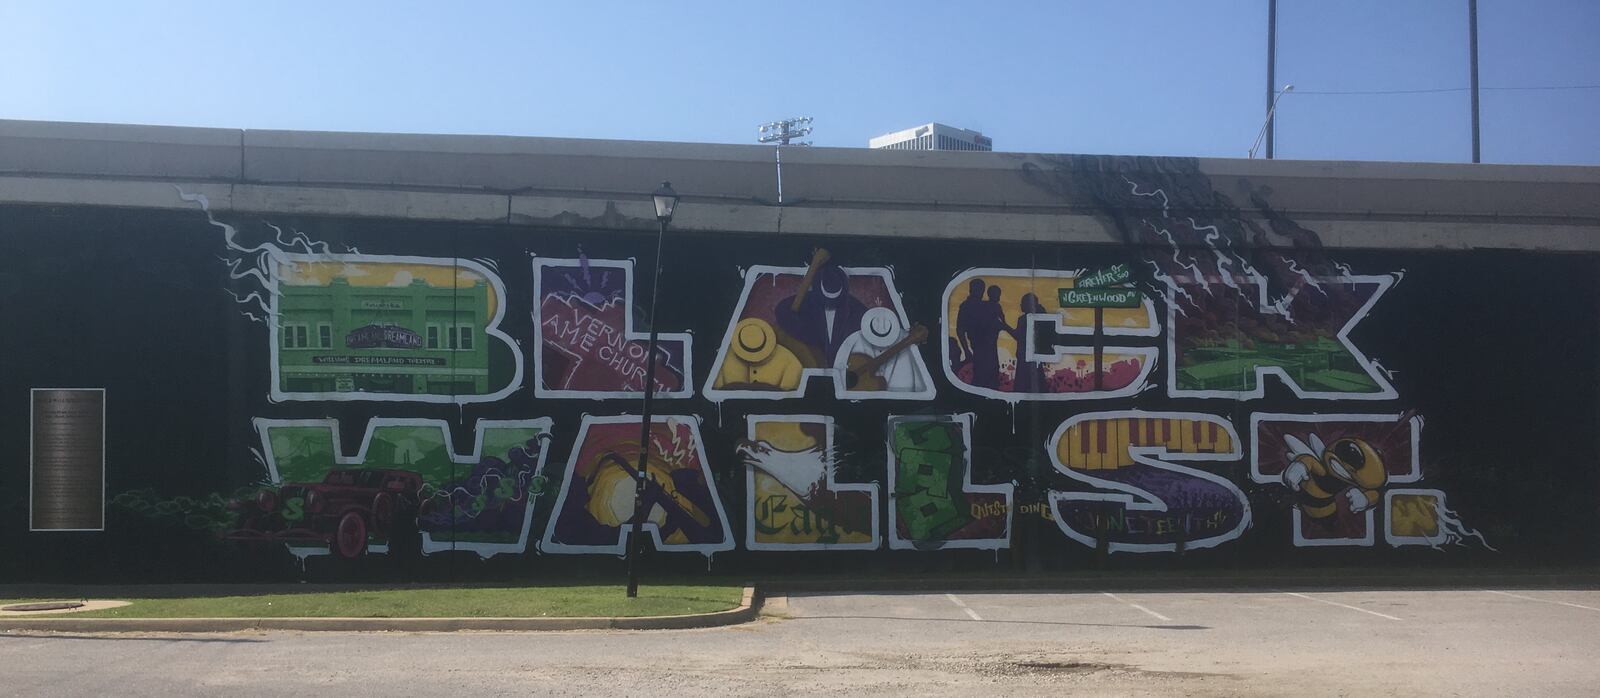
(1257,641)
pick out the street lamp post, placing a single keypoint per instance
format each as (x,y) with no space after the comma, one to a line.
(665,199)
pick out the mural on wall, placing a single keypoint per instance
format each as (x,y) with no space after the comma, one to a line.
(407,486)
(1339,469)
(1418,516)
(1233,302)
(352,326)
(1038,334)
(1144,500)
(1225,346)
(1241,303)
(935,505)
(596,500)
(362,327)
(823,319)
(793,502)
(587,343)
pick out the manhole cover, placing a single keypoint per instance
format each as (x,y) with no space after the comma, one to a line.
(50,606)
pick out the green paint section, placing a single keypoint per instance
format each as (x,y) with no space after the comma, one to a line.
(306,454)
(411,340)
(418,449)
(516,602)
(1100,297)
(301,454)
(1322,365)
(927,485)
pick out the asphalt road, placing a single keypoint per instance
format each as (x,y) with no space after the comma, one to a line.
(1257,642)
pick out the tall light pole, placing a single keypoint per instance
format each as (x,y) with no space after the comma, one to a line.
(779,133)
(1472,32)
(1272,70)
(665,199)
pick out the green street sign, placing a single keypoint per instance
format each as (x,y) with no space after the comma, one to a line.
(1115,274)
(1100,297)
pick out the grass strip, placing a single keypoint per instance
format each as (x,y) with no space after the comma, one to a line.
(465,602)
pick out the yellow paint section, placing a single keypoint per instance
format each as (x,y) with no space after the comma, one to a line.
(1047,289)
(1414,515)
(1102,444)
(377,274)
(797,524)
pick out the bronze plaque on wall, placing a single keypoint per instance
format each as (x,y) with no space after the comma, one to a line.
(68,451)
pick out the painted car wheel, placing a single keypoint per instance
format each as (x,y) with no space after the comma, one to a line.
(383,512)
(350,539)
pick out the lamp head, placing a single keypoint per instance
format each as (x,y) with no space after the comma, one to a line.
(666,199)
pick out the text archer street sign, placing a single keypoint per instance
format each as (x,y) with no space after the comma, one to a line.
(1114,274)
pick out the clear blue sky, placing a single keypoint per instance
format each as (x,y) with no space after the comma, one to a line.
(1163,77)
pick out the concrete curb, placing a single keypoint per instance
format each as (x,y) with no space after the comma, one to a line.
(1172,583)
(748,609)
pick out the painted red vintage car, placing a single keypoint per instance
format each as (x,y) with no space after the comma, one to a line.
(343,511)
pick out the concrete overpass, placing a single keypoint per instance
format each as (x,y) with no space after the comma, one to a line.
(554,182)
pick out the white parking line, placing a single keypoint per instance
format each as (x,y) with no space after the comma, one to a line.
(1153,614)
(1530,598)
(1340,605)
(973,614)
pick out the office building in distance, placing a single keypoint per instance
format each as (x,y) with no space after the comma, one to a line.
(932,136)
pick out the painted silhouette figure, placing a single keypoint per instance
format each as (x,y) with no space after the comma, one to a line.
(1030,374)
(979,322)
(966,319)
(826,315)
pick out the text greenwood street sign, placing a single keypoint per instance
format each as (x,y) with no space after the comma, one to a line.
(1091,290)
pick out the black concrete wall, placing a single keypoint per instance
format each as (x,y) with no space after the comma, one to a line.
(1493,350)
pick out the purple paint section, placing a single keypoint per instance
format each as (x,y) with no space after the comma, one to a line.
(1196,509)
(583,316)
(490,504)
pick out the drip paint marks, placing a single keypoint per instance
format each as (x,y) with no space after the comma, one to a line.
(1143,499)
(596,503)
(1244,299)
(1021,334)
(406,489)
(845,324)
(1340,470)
(935,505)
(369,327)
(794,503)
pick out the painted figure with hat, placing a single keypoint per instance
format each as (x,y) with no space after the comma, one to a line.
(756,361)
(879,348)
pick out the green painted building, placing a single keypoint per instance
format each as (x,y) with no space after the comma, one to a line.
(1321,364)
(416,339)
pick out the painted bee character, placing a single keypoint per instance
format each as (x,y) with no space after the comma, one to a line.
(1320,474)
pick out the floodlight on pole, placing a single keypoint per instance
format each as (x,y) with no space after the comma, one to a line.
(782,132)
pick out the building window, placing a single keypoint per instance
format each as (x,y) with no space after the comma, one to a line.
(432,341)
(461,337)
(324,335)
(296,336)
